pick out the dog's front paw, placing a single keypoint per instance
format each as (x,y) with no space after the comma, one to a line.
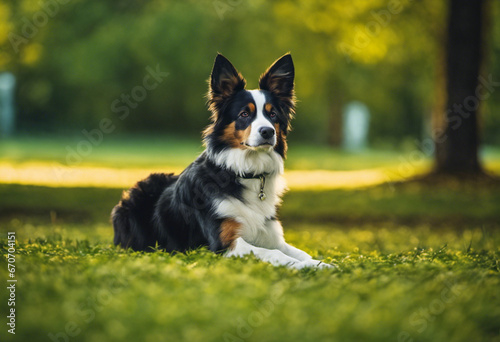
(311,263)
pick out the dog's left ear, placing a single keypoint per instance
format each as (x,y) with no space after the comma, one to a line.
(278,80)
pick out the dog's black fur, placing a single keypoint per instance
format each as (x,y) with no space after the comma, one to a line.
(181,203)
(176,213)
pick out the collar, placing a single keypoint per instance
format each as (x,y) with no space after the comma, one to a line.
(253,176)
(262,177)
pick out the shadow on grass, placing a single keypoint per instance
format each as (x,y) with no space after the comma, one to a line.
(452,204)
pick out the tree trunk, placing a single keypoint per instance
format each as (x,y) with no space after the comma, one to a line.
(457,144)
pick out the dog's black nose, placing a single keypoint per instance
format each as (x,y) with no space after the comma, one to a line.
(266,132)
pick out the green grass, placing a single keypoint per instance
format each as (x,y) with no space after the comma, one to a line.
(391,281)
(415,262)
(411,260)
(455,205)
(406,204)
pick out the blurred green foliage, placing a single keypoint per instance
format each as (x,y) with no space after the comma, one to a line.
(86,54)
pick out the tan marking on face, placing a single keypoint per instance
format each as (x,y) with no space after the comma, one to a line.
(251,106)
(281,138)
(236,138)
(277,128)
(268,107)
(229,135)
(229,232)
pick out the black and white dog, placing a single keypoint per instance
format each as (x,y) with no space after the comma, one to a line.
(228,197)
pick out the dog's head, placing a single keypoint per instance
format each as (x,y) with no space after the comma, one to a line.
(256,120)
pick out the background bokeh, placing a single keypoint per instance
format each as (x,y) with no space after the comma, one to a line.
(85,54)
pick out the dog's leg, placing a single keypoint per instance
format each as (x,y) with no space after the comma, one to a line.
(306,259)
(273,256)
(302,256)
(294,252)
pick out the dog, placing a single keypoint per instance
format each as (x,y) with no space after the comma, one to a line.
(227,198)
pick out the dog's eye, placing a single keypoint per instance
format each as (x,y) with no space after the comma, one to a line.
(272,114)
(244,114)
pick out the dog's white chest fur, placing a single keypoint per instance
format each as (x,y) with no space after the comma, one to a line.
(253,213)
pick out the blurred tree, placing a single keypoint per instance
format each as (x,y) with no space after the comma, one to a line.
(362,51)
(457,144)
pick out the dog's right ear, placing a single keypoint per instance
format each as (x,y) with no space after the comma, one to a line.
(224,81)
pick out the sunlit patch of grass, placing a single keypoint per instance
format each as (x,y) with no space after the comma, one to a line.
(54,175)
(120,161)
(324,179)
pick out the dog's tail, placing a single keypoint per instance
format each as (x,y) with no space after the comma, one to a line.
(133,216)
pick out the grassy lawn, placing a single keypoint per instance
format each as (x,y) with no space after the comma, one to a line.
(393,283)
(415,262)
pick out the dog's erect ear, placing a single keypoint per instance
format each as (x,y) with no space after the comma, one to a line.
(225,80)
(278,79)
